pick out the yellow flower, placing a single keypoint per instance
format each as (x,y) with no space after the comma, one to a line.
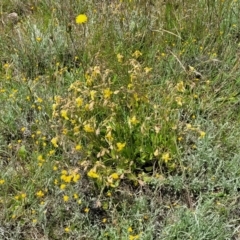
(54,142)
(40,158)
(202,134)
(120,146)
(76,130)
(107,93)
(2,181)
(6,65)
(119,58)
(133,237)
(75,196)
(81,18)
(79,101)
(38,39)
(179,101)
(38,132)
(136,97)
(62,186)
(55,168)
(88,128)
(67,229)
(76,177)
(92,174)
(34,221)
(114,176)
(109,136)
(166,157)
(78,147)
(23,195)
(16,197)
(147,69)
(109,194)
(180,87)
(64,114)
(64,131)
(86,210)
(39,100)
(40,194)
(191,69)
(137,54)
(66,179)
(134,120)
(65,198)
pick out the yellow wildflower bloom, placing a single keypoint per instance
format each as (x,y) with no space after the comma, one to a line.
(147,69)
(23,195)
(40,158)
(66,178)
(88,128)
(114,176)
(136,97)
(92,94)
(38,39)
(54,142)
(81,18)
(64,131)
(2,181)
(76,177)
(202,134)
(75,196)
(191,69)
(16,197)
(64,114)
(67,229)
(133,237)
(179,101)
(109,136)
(180,87)
(65,198)
(76,130)
(78,147)
(107,93)
(134,120)
(119,58)
(79,101)
(39,100)
(6,65)
(120,146)
(40,194)
(166,157)
(34,221)
(92,174)
(86,210)
(137,54)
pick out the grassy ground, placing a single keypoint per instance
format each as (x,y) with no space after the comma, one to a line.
(122,123)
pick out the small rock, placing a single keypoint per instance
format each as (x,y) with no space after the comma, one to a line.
(12,18)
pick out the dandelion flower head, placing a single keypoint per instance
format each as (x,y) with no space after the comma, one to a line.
(81,18)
